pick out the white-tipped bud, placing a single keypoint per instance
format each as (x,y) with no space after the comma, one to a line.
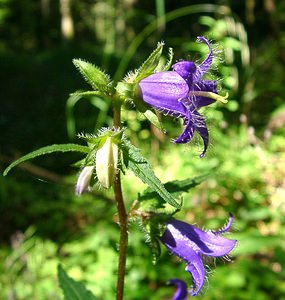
(84,180)
(107,162)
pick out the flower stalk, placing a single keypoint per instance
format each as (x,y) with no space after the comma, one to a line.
(123,218)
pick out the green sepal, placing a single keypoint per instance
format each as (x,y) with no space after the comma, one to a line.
(126,90)
(72,289)
(148,113)
(99,139)
(47,150)
(94,76)
(153,118)
(152,62)
(86,93)
(165,67)
(133,160)
(95,142)
(154,227)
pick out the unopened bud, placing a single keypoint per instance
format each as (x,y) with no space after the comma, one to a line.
(107,162)
(84,180)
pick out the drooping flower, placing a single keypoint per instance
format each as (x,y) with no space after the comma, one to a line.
(181,289)
(191,243)
(181,92)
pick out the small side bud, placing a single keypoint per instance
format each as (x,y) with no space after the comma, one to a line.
(107,162)
(84,180)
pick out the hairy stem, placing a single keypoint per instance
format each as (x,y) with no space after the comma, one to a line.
(123,221)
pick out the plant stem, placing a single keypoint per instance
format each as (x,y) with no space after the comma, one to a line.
(123,220)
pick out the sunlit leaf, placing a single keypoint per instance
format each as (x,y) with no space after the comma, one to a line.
(47,150)
(142,169)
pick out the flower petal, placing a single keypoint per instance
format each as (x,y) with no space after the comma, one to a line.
(206,64)
(226,227)
(194,121)
(181,289)
(205,86)
(185,69)
(200,126)
(187,133)
(207,243)
(162,90)
(197,270)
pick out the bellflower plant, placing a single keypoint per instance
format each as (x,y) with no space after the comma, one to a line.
(191,243)
(108,154)
(181,92)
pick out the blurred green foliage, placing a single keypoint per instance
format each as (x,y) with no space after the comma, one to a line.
(43,223)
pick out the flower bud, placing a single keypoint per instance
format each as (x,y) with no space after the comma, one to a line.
(107,162)
(84,179)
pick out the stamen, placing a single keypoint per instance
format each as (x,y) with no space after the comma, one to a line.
(211,95)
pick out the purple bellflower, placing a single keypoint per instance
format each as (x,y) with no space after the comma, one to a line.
(181,289)
(191,243)
(181,92)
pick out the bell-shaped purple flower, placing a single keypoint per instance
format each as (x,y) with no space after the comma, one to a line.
(191,243)
(181,92)
(181,289)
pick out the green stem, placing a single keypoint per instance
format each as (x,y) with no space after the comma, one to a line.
(123,220)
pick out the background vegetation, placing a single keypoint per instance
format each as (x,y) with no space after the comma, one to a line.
(43,223)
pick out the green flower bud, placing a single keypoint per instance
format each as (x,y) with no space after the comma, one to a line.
(107,162)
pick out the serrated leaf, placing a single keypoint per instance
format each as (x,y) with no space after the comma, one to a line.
(142,169)
(93,75)
(150,200)
(176,187)
(47,150)
(72,289)
(148,67)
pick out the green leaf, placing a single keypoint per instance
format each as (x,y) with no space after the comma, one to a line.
(176,187)
(150,200)
(93,75)
(72,289)
(142,169)
(47,150)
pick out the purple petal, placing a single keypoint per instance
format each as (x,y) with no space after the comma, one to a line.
(206,64)
(205,86)
(187,133)
(185,69)
(163,91)
(227,227)
(207,243)
(180,245)
(200,126)
(189,243)
(197,270)
(194,122)
(181,289)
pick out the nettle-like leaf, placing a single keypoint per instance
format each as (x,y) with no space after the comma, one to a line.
(150,201)
(133,160)
(72,289)
(94,76)
(47,150)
